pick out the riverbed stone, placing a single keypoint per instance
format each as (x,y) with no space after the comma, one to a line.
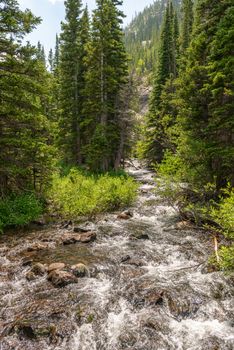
(80,270)
(56,267)
(39,269)
(37,247)
(139,235)
(85,237)
(60,278)
(125,215)
(30,276)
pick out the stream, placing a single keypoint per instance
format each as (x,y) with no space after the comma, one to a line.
(148,285)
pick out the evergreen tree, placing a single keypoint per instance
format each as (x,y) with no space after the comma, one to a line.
(51,60)
(187,23)
(106,76)
(156,141)
(206,94)
(25,155)
(56,54)
(69,66)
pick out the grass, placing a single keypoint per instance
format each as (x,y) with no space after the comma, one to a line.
(79,194)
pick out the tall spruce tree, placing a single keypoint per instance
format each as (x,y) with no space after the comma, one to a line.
(156,141)
(187,23)
(106,77)
(24,136)
(206,94)
(69,68)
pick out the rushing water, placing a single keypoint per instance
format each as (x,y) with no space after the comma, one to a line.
(142,294)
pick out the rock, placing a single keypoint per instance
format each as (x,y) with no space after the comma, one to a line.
(55,267)
(66,224)
(36,247)
(27,262)
(125,258)
(125,215)
(61,278)
(80,270)
(39,269)
(135,262)
(30,276)
(138,235)
(85,237)
(80,229)
(88,237)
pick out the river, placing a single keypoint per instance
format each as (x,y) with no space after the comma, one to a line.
(148,286)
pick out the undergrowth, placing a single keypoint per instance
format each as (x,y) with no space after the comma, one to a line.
(80,194)
(19,210)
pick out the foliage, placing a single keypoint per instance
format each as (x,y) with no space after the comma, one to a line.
(19,210)
(77,194)
(26,152)
(227,258)
(223,213)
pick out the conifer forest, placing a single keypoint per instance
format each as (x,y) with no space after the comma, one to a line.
(117,177)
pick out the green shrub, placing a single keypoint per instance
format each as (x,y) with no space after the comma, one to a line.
(227,258)
(19,210)
(78,194)
(223,213)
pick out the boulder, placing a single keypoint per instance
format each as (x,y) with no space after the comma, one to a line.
(30,276)
(39,269)
(125,258)
(88,237)
(60,278)
(140,235)
(36,247)
(125,215)
(80,270)
(85,237)
(56,267)
(135,262)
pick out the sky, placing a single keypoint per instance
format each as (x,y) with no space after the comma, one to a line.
(52,13)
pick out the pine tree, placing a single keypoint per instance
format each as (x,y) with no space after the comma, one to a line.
(206,93)
(25,155)
(51,60)
(106,76)
(69,138)
(56,54)
(156,141)
(187,23)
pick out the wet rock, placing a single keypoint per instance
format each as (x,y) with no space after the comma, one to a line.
(39,269)
(56,266)
(80,270)
(65,224)
(139,235)
(61,278)
(125,215)
(125,258)
(85,237)
(27,262)
(36,247)
(79,229)
(30,276)
(135,262)
(88,237)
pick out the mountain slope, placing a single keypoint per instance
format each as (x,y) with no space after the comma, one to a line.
(142,36)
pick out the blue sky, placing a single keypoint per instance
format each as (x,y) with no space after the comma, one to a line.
(52,13)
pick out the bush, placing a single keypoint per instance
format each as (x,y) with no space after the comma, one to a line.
(77,194)
(19,210)
(227,258)
(223,213)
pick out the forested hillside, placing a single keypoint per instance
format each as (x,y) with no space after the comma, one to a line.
(142,36)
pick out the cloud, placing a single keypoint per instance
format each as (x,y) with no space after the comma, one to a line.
(54,1)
